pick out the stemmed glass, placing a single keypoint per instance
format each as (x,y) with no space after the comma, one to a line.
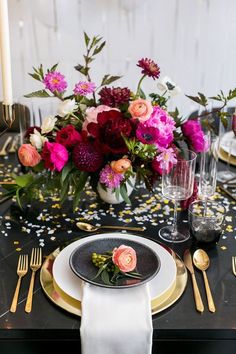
(177,185)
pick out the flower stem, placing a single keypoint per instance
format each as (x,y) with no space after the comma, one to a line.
(139,85)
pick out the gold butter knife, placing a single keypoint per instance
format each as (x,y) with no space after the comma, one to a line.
(197,296)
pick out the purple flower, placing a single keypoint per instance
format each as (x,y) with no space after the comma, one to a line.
(83,88)
(110,178)
(164,162)
(55,81)
(147,135)
(149,68)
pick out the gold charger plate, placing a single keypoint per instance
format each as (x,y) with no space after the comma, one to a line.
(61,299)
(223,155)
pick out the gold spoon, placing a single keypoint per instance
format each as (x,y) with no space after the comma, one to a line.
(91,228)
(202,262)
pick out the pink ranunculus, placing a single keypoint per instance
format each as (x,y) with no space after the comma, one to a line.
(191,127)
(92,113)
(140,109)
(55,156)
(198,142)
(28,155)
(193,132)
(68,136)
(125,258)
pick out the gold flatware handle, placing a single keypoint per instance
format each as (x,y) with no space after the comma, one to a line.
(28,305)
(16,295)
(210,300)
(197,295)
(131,228)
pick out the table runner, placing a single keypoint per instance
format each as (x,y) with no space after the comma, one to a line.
(116,321)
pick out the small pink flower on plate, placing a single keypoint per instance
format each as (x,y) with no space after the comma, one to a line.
(124,257)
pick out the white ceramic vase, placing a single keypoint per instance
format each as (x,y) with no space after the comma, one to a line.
(109,196)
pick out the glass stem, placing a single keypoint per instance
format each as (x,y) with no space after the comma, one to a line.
(175,217)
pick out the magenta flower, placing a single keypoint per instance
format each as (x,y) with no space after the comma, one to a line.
(149,68)
(55,81)
(193,132)
(147,135)
(110,178)
(55,156)
(83,88)
(164,162)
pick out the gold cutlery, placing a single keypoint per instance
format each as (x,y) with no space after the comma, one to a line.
(197,296)
(91,228)
(234,265)
(35,264)
(13,146)
(22,269)
(3,150)
(202,262)
(227,192)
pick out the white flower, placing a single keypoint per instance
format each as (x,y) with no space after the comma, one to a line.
(166,84)
(66,107)
(37,140)
(48,124)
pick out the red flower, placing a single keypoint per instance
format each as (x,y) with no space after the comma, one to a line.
(68,136)
(149,68)
(115,96)
(109,129)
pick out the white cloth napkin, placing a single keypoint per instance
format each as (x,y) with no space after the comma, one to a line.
(116,321)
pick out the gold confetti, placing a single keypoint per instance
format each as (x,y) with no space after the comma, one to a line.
(16,242)
(18,249)
(223,248)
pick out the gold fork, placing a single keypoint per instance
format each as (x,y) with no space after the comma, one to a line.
(234,265)
(35,264)
(22,269)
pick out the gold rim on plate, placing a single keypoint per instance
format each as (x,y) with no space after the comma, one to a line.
(224,156)
(64,301)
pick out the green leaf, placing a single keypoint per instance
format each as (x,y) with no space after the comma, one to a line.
(105,277)
(66,170)
(86,39)
(24,180)
(53,68)
(141,94)
(40,93)
(35,76)
(99,48)
(108,79)
(203,98)
(82,69)
(123,192)
(80,186)
(101,269)
(18,197)
(200,99)
(117,193)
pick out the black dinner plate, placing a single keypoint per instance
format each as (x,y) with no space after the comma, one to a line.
(148,262)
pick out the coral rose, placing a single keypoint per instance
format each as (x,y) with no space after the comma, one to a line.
(121,166)
(140,109)
(124,257)
(55,156)
(28,155)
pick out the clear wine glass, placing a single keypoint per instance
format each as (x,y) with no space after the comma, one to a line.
(177,185)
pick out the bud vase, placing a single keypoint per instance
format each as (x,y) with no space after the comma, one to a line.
(109,196)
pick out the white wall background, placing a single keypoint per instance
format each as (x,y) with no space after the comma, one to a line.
(193,41)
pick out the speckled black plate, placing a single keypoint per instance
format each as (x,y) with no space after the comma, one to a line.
(148,263)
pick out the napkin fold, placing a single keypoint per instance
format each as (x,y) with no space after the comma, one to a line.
(116,321)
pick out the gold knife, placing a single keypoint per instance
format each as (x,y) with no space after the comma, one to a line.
(197,296)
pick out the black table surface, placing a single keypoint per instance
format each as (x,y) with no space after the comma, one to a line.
(45,224)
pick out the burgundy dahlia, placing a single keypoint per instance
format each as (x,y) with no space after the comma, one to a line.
(86,157)
(149,68)
(114,96)
(108,131)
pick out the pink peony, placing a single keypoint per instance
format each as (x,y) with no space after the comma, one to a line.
(55,81)
(110,178)
(68,136)
(55,156)
(92,113)
(164,162)
(124,257)
(28,155)
(140,109)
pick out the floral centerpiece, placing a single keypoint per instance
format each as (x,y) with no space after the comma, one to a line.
(104,135)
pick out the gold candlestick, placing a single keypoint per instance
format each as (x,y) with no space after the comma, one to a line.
(8,116)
